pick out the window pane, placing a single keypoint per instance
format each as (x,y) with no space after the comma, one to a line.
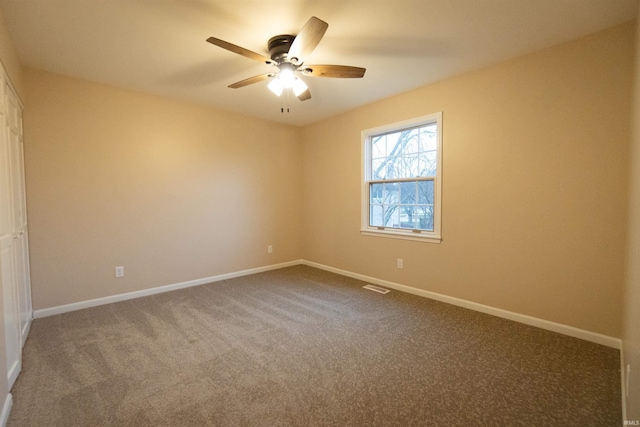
(424,215)
(376,218)
(411,138)
(393,144)
(409,166)
(377,169)
(408,193)
(391,193)
(375,193)
(393,167)
(429,138)
(407,216)
(425,192)
(391,216)
(428,163)
(378,148)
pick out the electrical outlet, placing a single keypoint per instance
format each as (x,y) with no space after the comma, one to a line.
(400,263)
(269,249)
(120,271)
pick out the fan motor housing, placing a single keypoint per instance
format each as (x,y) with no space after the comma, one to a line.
(279,46)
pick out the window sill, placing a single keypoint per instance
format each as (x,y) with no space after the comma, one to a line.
(402,235)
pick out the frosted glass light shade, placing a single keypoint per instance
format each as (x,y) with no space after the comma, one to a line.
(276,86)
(287,77)
(299,87)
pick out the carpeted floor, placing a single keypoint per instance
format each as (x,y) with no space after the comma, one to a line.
(303,347)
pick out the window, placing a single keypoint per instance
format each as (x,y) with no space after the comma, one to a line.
(402,185)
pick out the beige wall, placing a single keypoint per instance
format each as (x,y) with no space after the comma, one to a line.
(534,187)
(631,336)
(169,190)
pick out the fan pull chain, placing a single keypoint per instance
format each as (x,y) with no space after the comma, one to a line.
(285,101)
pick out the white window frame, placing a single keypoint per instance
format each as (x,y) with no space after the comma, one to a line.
(434,236)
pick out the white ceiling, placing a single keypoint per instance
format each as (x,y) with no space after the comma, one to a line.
(158,46)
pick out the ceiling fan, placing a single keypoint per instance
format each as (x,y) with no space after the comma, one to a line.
(287,55)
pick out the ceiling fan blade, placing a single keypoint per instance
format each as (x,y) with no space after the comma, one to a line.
(305,95)
(339,71)
(251,80)
(308,38)
(239,50)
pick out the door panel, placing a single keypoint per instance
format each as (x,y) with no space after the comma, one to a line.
(6,224)
(14,249)
(13,340)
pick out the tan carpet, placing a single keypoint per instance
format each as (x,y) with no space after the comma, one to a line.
(303,347)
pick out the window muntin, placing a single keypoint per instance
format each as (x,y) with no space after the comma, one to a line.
(402,174)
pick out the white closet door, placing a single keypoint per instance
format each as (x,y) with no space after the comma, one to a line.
(23,296)
(14,121)
(8,238)
(21,251)
(14,252)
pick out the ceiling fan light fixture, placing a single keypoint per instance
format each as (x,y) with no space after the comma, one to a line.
(287,76)
(299,87)
(287,55)
(276,86)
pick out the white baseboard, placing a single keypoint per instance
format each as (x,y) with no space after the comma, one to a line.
(52,311)
(517,317)
(521,318)
(6,410)
(26,328)
(14,371)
